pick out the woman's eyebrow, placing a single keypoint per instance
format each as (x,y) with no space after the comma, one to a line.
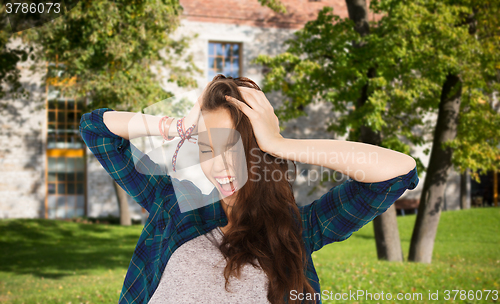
(230,144)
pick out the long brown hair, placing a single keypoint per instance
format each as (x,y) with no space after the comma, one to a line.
(266,225)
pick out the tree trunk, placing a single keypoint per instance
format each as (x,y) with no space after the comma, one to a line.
(432,197)
(385,225)
(122,197)
(387,238)
(358,12)
(465,190)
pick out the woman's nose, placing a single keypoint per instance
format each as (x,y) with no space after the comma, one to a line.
(221,162)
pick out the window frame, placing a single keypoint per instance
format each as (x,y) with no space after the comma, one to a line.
(240,57)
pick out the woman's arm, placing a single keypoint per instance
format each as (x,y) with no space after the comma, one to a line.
(134,172)
(349,206)
(132,125)
(107,134)
(362,162)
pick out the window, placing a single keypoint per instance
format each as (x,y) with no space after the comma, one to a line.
(65,185)
(65,169)
(63,113)
(224,58)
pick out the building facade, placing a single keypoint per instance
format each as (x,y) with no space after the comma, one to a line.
(47,172)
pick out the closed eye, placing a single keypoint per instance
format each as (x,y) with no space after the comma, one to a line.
(206,151)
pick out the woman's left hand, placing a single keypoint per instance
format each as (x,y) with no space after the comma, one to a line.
(265,123)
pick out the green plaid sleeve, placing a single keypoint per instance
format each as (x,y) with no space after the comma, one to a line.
(349,206)
(131,169)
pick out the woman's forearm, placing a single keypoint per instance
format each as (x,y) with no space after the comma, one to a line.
(132,125)
(362,162)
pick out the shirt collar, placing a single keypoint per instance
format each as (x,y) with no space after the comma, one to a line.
(212,210)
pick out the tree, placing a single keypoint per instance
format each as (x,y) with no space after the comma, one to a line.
(335,71)
(407,70)
(9,58)
(111,47)
(472,61)
(385,226)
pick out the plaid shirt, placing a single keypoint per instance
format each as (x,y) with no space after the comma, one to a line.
(341,211)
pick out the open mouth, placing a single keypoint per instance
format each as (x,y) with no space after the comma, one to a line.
(227,185)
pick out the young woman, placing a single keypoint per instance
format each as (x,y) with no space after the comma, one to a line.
(254,244)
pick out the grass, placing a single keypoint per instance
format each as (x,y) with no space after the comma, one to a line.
(45,261)
(466,257)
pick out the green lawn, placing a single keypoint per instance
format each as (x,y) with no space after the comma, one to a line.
(45,261)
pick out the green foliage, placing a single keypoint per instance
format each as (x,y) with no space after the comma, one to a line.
(9,58)
(412,48)
(275,5)
(111,46)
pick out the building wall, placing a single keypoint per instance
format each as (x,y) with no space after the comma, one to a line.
(101,197)
(23,157)
(22,152)
(252,13)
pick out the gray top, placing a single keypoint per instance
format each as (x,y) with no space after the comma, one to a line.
(195,274)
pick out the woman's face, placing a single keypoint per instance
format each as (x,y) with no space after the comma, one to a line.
(218,150)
